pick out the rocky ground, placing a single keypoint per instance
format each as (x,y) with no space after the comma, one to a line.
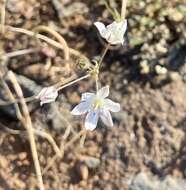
(146,149)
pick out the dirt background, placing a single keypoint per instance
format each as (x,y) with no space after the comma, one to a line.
(149,133)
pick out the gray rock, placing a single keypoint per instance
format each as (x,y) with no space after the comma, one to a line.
(141,182)
(29,88)
(144,181)
(92,162)
(171,183)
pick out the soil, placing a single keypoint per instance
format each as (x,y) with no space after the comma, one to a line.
(148,133)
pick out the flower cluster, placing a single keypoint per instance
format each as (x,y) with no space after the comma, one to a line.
(94,105)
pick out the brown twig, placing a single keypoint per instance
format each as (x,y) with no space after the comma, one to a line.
(26,121)
(40,133)
(60,38)
(47,136)
(62,41)
(63,148)
(6,103)
(18,53)
(11,97)
(44,38)
(3,15)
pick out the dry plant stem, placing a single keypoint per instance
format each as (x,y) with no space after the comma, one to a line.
(57,36)
(42,134)
(13,101)
(50,139)
(11,97)
(63,148)
(26,120)
(68,129)
(33,34)
(20,117)
(82,140)
(75,138)
(67,50)
(72,82)
(32,98)
(18,53)
(3,15)
(11,131)
(123,9)
(46,39)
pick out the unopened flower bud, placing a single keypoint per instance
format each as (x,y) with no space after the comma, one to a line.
(47,95)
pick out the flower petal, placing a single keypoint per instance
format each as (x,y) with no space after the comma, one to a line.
(111,105)
(119,26)
(102,30)
(81,108)
(117,31)
(103,92)
(91,120)
(106,118)
(86,96)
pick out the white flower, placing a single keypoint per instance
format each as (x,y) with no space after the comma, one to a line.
(47,95)
(114,32)
(95,106)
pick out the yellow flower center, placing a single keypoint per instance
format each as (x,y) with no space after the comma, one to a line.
(98,103)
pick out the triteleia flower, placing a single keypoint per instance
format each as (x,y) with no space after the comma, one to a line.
(47,95)
(114,32)
(95,106)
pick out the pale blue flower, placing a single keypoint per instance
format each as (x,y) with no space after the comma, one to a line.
(96,106)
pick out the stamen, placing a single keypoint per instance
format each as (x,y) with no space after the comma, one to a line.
(98,103)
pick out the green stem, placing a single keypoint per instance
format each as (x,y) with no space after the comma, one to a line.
(97,85)
(99,64)
(103,54)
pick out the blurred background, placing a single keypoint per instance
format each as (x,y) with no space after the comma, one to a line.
(146,149)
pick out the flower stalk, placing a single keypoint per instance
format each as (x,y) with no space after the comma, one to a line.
(72,82)
(99,65)
(123,9)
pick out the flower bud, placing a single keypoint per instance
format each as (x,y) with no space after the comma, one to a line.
(47,95)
